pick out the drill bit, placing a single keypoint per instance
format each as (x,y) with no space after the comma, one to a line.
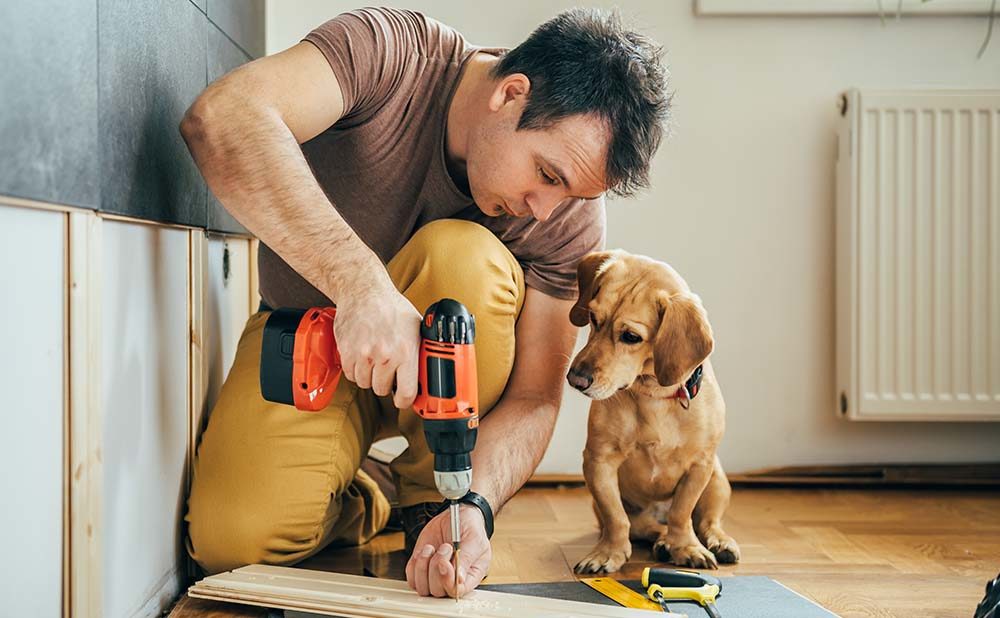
(456,537)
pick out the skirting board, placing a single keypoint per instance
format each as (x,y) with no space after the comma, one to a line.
(878,475)
(336,594)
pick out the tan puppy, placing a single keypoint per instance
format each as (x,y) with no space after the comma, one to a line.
(649,451)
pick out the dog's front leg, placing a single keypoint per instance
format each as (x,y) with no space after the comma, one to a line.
(614,548)
(680,545)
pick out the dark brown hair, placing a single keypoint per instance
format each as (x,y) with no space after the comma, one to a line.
(583,61)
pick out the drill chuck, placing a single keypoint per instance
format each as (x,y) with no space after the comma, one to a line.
(453,485)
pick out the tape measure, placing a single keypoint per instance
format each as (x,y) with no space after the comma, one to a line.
(620,593)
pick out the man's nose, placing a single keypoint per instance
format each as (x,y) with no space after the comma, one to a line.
(542,205)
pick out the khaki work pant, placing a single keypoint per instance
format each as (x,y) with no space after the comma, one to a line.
(275,485)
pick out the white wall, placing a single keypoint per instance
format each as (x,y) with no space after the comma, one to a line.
(145,388)
(743,204)
(32,391)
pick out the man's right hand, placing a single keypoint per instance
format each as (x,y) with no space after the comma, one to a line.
(378,336)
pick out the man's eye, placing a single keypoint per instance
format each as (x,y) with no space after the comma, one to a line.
(548,179)
(630,338)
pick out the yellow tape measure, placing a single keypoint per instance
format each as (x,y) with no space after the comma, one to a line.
(620,593)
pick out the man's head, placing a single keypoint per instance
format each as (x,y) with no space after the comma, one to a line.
(576,110)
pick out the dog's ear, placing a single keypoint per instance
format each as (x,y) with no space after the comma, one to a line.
(586,273)
(684,339)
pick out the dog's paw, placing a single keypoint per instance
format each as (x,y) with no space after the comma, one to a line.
(694,556)
(605,558)
(725,549)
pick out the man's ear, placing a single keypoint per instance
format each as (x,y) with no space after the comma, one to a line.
(509,88)
(684,339)
(586,273)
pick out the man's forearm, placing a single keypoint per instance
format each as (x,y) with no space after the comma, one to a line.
(512,440)
(252,162)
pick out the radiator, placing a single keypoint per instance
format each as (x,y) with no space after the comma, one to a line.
(918,256)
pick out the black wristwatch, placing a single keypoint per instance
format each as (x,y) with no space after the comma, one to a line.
(478,501)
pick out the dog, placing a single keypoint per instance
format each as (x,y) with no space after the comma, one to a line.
(656,418)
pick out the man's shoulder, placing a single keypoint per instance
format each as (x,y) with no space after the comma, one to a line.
(412,30)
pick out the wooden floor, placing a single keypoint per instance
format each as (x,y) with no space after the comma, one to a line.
(857,552)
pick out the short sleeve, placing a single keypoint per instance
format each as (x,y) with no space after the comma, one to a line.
(368,50)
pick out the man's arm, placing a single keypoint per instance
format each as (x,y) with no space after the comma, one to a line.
(514,435)
(244,132)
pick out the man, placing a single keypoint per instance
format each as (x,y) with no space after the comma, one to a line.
(385,163)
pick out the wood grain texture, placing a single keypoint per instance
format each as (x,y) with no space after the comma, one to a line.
(85,414)
(338,594)
(859,553)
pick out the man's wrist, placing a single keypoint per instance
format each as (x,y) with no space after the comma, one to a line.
(367,277)
(478,501)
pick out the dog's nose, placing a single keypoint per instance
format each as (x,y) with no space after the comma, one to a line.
(578,379)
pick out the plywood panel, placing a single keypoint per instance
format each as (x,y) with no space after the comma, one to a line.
(226,308)
(32,391)
(145,386)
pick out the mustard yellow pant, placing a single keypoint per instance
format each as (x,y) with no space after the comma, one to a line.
(275,485)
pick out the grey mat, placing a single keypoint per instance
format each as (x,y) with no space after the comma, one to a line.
(742,597)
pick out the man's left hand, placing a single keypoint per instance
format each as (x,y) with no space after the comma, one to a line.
(429,570)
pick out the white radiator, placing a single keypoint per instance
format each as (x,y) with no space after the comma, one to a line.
(918,256)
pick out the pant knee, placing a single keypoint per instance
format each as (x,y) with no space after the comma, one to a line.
(470,264)
(227,536)
(227,539)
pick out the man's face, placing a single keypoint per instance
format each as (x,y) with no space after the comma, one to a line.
(530,173)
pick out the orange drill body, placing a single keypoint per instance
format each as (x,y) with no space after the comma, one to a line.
(300,366)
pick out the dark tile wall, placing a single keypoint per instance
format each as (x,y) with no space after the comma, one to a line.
(48,101)
(242,20)
(152,67)
(92,92)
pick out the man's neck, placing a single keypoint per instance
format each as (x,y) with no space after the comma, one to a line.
(467,105)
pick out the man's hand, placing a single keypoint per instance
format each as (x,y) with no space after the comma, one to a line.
(429,570)
(378,336)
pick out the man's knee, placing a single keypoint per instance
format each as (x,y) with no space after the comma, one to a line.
(282,528)
(469,257)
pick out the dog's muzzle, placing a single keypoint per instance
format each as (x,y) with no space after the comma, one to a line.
(580,380)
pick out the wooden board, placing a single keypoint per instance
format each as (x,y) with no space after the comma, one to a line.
(354,596)
(85,414)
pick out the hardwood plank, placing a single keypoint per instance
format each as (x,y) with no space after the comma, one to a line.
(352,595)
(858,552)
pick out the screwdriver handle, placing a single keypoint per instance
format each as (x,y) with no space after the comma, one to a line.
(671,578)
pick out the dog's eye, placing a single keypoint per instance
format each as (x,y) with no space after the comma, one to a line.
(630,338)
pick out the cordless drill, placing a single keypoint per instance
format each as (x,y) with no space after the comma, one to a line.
(300,366)
(448,401)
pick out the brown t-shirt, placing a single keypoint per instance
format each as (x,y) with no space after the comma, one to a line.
(383,163)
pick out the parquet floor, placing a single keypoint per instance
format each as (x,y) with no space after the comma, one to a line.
(858,552)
